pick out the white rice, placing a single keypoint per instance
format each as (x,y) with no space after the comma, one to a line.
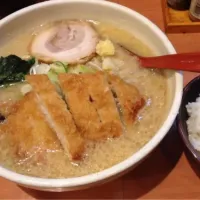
(193,123)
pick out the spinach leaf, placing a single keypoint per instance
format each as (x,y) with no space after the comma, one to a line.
(13,69)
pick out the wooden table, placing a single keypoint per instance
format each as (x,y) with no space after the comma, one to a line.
(168,173)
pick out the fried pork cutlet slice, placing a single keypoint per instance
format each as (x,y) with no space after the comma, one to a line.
(7,108)
(104,103)
(57,115)
(29,135)
(128,97)
(78,99)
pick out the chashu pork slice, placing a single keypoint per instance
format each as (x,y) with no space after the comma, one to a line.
(129,99)
(30,137)
(104,103)
(66,41)
(78,99)
(57,115)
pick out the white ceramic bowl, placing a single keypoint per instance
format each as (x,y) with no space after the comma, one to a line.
(123,17)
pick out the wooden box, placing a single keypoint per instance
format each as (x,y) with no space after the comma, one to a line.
(178,21)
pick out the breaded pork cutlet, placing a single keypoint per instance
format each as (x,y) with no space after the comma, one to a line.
(57,115)
(128,97)
(104,103)
(30,136)
(7,108)
(78,99)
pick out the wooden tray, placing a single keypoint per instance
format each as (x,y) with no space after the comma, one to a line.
(178,21)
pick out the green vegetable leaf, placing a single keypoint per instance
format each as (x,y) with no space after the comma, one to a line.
(13,69)
(31,61)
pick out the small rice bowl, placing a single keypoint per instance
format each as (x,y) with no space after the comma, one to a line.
(193,123)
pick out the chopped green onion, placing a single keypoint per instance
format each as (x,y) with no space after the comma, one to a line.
(81,69)
(53,76)
(61,64)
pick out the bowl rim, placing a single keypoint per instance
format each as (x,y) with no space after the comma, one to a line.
(182,131)
(136,157)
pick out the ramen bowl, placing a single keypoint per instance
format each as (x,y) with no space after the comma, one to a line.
(119,16)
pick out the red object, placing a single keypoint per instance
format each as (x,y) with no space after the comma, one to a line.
(182,61)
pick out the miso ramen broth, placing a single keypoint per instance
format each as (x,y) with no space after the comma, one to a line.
(101,155)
